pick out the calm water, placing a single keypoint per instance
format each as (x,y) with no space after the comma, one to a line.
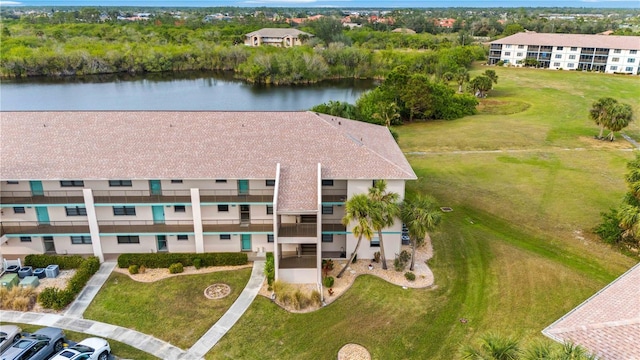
(189,91)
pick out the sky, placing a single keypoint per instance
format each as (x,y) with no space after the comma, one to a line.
(343,4)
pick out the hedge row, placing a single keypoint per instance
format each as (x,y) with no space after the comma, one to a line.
(164,260)
(64,262)
(54,298)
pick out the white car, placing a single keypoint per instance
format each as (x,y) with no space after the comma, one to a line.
(8,335)
(88,349)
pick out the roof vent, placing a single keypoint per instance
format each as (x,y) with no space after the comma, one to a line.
(339,122)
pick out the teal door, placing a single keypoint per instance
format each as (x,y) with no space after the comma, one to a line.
(246,242)
(156,188)
(36,188)
(243,187)
(158,214)
(43,215)
(162,243)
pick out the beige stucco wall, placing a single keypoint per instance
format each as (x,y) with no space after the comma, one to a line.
(181,246)
(22,188)
(143,213)
(64,246)
(13,247)
(211,214)
(147,245)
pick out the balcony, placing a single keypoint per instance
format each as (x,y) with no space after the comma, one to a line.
(341,198)
(34,228)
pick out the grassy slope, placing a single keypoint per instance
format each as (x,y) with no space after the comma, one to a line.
(515,254)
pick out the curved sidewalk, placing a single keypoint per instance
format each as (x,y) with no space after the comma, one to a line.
(71,320)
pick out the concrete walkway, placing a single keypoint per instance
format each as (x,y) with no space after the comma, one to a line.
(226,322)
(81,303)
(72,319)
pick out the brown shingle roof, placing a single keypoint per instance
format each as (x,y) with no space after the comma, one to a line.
(577,40)
(608,323)
(192,145)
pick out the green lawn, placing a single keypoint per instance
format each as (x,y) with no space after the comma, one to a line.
(118,349)
(517,251)
(173,309)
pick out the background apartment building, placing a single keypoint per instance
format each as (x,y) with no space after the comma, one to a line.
(604,53)
(106,183)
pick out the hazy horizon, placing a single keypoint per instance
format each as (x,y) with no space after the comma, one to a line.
(343,4)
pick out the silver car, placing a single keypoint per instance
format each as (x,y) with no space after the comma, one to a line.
(8,335)
(92,348)
(37,346)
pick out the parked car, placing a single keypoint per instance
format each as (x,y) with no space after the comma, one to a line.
(88,349)
(37,346)
(8,335)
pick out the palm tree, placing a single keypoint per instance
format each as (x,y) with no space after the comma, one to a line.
(421,215)
(491,74)
(357,210)
(384,211)
(621,115)
(599,112)
(493,347)
(461,75)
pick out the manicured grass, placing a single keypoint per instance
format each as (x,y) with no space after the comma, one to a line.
(516,253)
(174,309)
(118,349)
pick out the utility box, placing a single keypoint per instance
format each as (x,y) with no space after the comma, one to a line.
(25,271)
(9,280)
(39,272)
(32,281)
(52,271)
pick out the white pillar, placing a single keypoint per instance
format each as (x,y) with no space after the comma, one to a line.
(276,245)
(94,229)
(319,229)
(197,220)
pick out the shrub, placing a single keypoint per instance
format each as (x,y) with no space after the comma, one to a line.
(376,256)
(58,299)
(18,298)
(316,299)
(410,276)
(327,266)
(133,269)
(197,263)
(176,268)
(142,269)
(328,281)
(164,260)
(270,269)
(401,260)
(287,295)
(64,262)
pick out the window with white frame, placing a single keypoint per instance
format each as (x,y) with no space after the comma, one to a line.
(628,68)
(124,210)
(572,57)
(180,208)
(19,210)
(223,208)
(327,182)
(183,237)
(270,182)
(269,209)
(558,56)
(570,65)
(225,236)
(617,51)
(327,238)
(176,181)
(75,210)
(120,183)
(269,238)
(327,209)
(613,68)
(80,239)
(25,238)
(128,239)
(573,48)
(519,54)
(633,52)
(520,46)
(559,48)
(631,60)
(615,59)
(71,183)
(507,53)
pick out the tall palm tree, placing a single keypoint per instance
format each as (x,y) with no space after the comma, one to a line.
(383,213)
(621,116)
(599,112)
(421,215)
(357,210)
(461,75)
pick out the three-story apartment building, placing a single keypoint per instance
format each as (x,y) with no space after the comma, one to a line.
(106,183)
(604,53)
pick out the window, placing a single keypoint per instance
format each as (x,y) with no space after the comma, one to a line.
(615,59)
(13,182)
(221,181)
(508,46)
(269,238)
(176,181)
(18,210)
(375,242)
(270,182)
(508,53)
(327,182)
(223,208)
(628,68)
(519,54)
(520,46)
(558,56)
(124,210)
(570,65)
(572,57)
(573,48)
(633,52)
(556,64)
(328,210)
(75,210)
(225,236)
(120,183)
(631,60)
(25,238)
(71,183)
(180,208)
(617,51)
(183,237)
(269,209)
(559,48)
(613,68)
(81,239)
(327,238)
(128,239)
